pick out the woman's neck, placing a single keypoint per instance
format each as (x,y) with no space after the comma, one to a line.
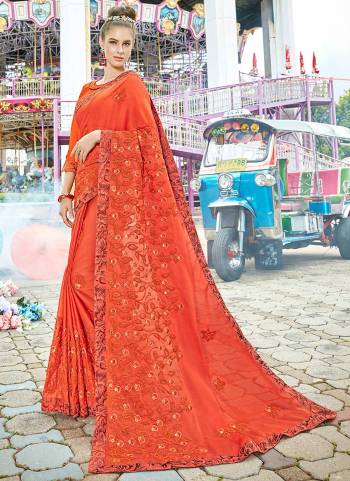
(111,74)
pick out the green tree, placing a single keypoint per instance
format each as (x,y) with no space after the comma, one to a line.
(343,118)
(321,114)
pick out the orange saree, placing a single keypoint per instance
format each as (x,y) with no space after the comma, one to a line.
(143,339)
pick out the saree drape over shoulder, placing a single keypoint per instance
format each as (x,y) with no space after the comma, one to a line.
(143,339)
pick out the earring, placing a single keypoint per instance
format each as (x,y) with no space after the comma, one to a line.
(102,58)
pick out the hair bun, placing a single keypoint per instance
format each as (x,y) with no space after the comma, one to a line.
(123,10)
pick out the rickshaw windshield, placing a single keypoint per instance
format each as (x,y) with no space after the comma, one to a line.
(234,144)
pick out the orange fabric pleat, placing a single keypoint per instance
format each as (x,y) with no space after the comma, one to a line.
(70,378)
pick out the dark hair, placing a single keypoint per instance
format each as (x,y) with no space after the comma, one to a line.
(119,11)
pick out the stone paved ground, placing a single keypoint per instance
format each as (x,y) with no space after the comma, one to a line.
(298,319)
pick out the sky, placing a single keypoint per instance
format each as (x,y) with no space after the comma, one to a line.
(322,26)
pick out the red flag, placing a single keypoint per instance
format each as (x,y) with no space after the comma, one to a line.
(254,71)
(288,62)
(315,69)
(302,65)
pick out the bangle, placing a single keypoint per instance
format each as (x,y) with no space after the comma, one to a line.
(63,196)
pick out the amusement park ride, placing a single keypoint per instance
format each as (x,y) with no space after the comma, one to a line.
(188,53)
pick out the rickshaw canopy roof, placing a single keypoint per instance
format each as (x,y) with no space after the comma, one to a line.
(314,128)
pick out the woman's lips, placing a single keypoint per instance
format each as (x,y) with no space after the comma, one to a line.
(119,58)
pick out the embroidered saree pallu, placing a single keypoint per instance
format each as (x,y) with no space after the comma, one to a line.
(176,382)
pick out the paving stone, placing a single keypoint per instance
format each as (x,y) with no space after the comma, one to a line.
(345,428)
(73,433)
(7,463)
(19,398)
(6,346)
(262,342)
(9,360)
(21,344)
(9,412)
(40,342)
(301,336)
(334,436)
(274,326)
(67,422)
(343,415)
(18,367)
(29,358)
(249,467)
(290,380)
(334,349)
(288,355)
(4,443)
(167,475)
(3,433)
(195,474)
(17,387)
(89,429)
(264,475)
(13,377)
(325,372)
(81,448)
(340,476)
(340,384)
(102,477)
(326,401)
(11,478)
(306,388)
(31,423)
(340,315)
(322,386)
(312,321)
(305,446)
(273,459)
(70,471)
(19,442)
(297,373)
(293,474)
(38,374)
(324,467)
(43,456)
(339,394)
(335,330)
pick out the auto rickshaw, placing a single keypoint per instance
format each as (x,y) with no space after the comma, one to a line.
(261,191)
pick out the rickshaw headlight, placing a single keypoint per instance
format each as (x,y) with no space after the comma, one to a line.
(265,180)
(196,184)
(225,181)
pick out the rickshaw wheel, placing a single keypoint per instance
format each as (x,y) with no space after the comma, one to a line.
(343,238)
(210,253)
(227,261)
(269,255)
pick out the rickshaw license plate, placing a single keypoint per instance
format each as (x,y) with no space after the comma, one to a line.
(231,164)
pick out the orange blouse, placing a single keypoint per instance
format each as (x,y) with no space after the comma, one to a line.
(130,108)
(97,112)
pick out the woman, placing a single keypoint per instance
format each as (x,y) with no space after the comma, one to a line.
(143,339)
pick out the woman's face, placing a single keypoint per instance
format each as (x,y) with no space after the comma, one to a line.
(117,45)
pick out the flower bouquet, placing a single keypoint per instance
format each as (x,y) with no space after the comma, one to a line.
(19,315)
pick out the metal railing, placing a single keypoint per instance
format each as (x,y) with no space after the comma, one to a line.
(302,159)
(184,133)
(252,95)
(30,87)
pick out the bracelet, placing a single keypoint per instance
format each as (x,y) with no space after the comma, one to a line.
(63,196)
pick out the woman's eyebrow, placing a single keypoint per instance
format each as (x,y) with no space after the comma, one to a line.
(112,38)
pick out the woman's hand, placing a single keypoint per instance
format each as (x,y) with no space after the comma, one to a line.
(85,144)
(66,207)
